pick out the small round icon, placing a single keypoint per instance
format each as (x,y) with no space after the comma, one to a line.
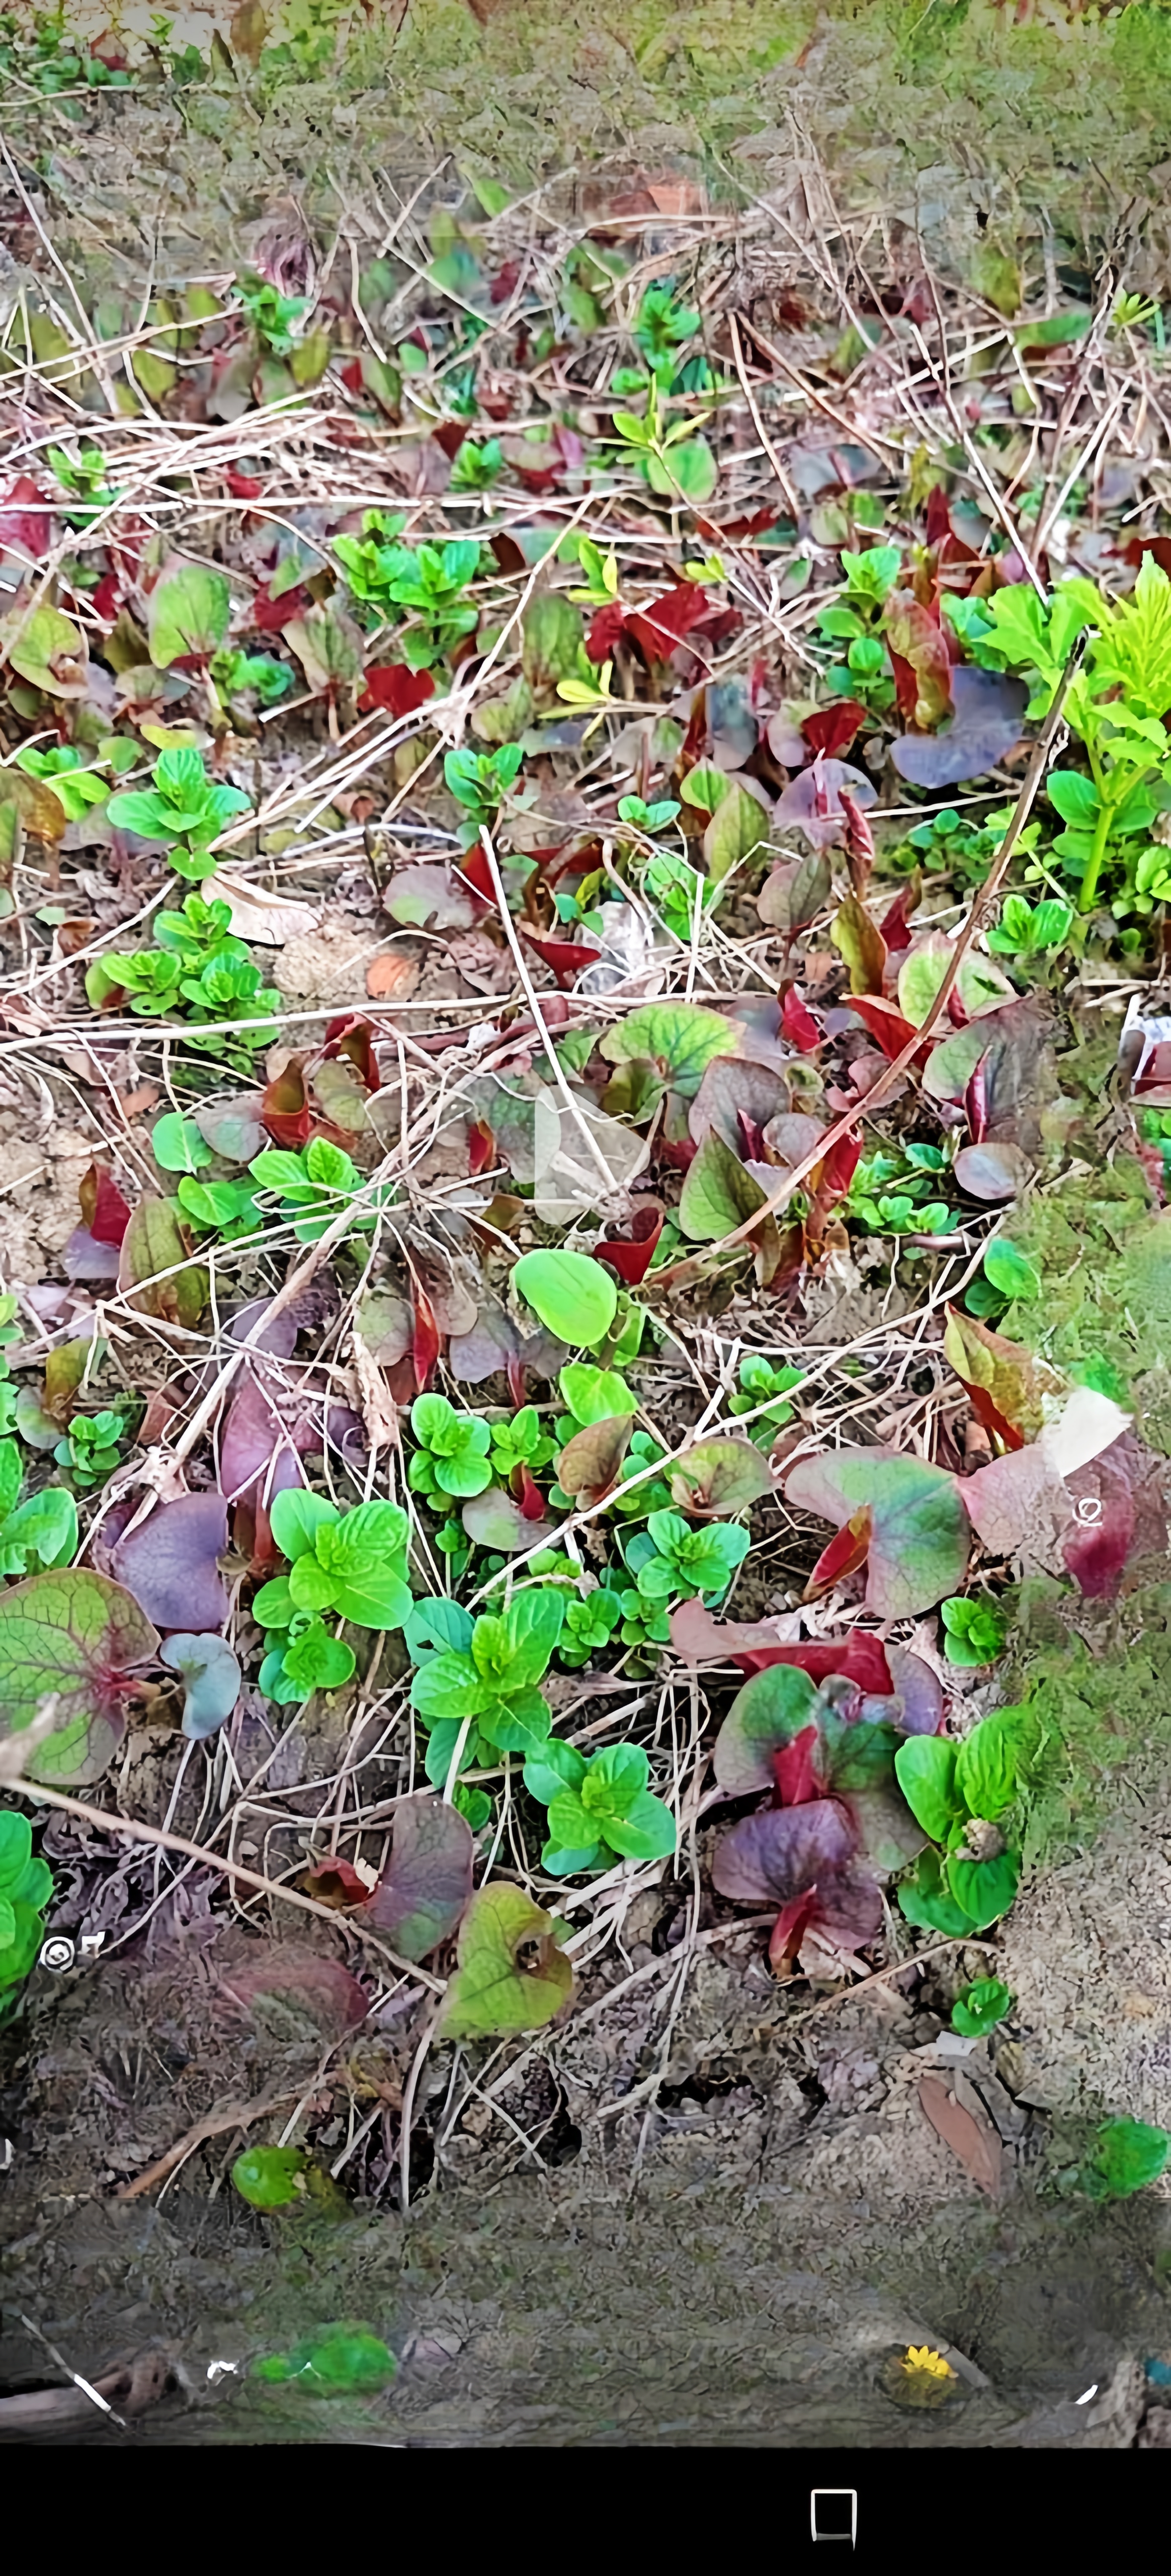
(1089,1508)
(58,1953)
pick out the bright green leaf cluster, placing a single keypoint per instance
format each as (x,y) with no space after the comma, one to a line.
(452,1455)
(42,1531)
(479,1676)
(956,1793)
(183,809)
(26,1888)
(351,1564)
(600,1810)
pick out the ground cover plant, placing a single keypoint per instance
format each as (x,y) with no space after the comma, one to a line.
(585,966)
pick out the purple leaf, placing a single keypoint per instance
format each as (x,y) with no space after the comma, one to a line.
(85,1258)
(494,1520)
(848,1907)
(317,1990)
(986,726)
(918,1688)
(813,801)
(777,1854)
(279,1338)
(732,1085)
(493,1340)
(992,1172)
(232,1127)
(169,1563)
(74,1634)
(428,1885)
(259,1445)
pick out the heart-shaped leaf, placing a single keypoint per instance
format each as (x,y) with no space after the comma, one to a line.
(170,1563)
(511,1974)
(992,1173)
(718,1477)
(919,1538)
(778,1853)
(495,1521)
(589,1463)
(679,1038)
(427,1887)
(82,1637)
(718,1194)
(189,610)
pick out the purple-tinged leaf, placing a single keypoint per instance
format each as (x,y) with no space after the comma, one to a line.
(232,1127)
(170,1565)
(278,1338)
(812,800)
(919,1689)
(85,1258)
(992,1173)
(919,1538)
(83,1638)
(494,1521)
(986,726)
(287,1981)
(769,1713)
(263,1432)
(779,1853)
(428,1885)
(732,1088)
(717,1478)
(589,1463)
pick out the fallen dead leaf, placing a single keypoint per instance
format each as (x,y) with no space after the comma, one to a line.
(972,2139)
(392,978)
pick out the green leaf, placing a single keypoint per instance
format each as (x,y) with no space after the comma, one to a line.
(719,1476)
(1076,798)
(177,1145)
(45,1526)
(556,1767)
(511,1975)
(679,1038)
(573,1296)
(80,1636)
(189,610)
(363,1556)
(1011,1272)
(689,468)
(738,829)
(295,1518)
(986,1761)
(315,1660)
(271,2177)
(771,1709)
(926,1902)
(984,1888)
(925,1768)
(718,1193)
(919,1530)
(978,2010)
(47,650)
(595,1394)
(155,1268)
(1128,2155)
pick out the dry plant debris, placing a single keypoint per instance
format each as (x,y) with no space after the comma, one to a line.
(571,870)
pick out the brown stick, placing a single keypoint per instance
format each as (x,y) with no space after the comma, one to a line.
(232,1869)
(981,907)
(758,424)
(239,2115)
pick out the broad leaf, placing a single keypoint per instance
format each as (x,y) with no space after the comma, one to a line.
(48,651)
(171,1563)
(82,1637)
(734,1091)
(189,610)
(778,1853)
(987,725)
(427,1886)
(572,1295)
(985,1772)
(155,1269)
(511,1974)
(719,1477)
(984,1888)
(679,1038)
(771,1710)
(211,1680)
(919,1538)
(589,1463)
(860,941)
(981,985)
(718,1193)
(493,1520)
(739,828)
(925,1767)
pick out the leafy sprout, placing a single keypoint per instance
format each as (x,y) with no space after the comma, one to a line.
(183,809)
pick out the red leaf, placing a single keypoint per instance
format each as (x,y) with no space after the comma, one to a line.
(450,436)
(605,627)
(790,1928)
(564,958)
(335,1882)
(103,1207)
(906,685)
(243,487)
(847,1550)
(271,616)
(754,526)
(25,523)
(353,1038)
(798,1024)
(860,1658)
(1159,547)
(886,1025)
(514,1371)
(505,282)
(680,1156)
(481,1148)
(395,688)
(473,868)
(631,1255)
(352,376)
(894,923)
(833,1177)
(285,1110)
(973,2140)
(793,1768)
(976,1103)
(106,600)
(657,630)
(426,1341)
(830,731)
(530,1497)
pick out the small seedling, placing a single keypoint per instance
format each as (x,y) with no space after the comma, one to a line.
(479,782)
(670,1561)
(92,1447)
(599,1810)
(975,1631)
(956,1793)
(759,1379)
(476,1683)
(452,1455)
(183,809)
(981,2007)
(313,1187)
(892,1193)
(1010,1279)
(26,1888)
(353,1564)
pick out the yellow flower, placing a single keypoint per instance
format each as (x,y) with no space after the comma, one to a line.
(922,2362)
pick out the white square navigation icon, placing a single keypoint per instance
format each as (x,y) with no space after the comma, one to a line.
(833,2513)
